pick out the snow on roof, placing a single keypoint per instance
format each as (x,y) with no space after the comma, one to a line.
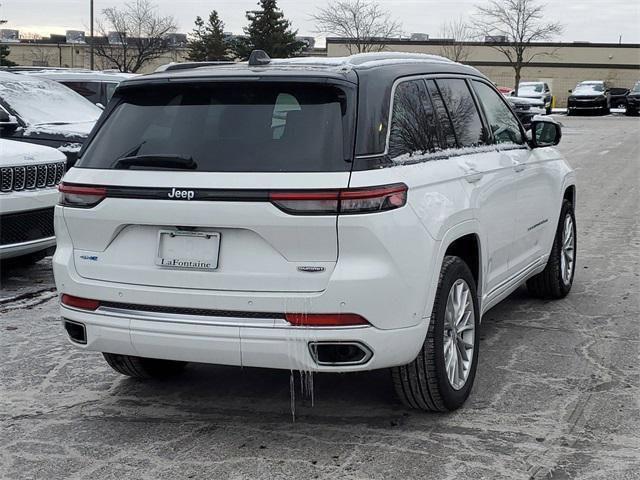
(79,75)
(364,59)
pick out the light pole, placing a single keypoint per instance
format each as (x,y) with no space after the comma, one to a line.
(91,33)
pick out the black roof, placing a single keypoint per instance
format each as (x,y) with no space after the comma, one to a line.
(371,74)
(384,64)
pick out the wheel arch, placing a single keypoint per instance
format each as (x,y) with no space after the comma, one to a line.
(570,194)
(464,241)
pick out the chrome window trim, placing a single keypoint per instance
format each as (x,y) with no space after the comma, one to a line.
(429,76)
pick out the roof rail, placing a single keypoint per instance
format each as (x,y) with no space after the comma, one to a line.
(188,65)
(361,58)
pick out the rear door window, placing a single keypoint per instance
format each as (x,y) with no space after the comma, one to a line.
(224,127)
(448,137)
(503,123)
(462,112)
(413,123)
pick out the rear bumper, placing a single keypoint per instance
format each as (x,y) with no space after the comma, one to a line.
(219,341)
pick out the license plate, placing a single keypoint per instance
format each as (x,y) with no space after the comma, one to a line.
(188,250)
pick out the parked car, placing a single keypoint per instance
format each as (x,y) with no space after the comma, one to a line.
(618,97)
(29,175)
(505,90)
(178,247)
(97,87)
(633,100)
(539,91)
(43,112)
(527,108)
(589,96)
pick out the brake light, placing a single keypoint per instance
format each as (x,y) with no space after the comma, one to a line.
(81,303)
(349,201)
(80,196)
(325,319)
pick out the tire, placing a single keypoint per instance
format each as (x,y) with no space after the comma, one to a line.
(551,283)
(424,384)
(140,367)
(631,113)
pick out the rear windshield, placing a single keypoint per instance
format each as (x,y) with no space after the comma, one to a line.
(240,127)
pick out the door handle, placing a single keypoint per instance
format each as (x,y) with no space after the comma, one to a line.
(518,167)
(473,176)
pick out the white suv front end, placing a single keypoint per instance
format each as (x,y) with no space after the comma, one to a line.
(29,175)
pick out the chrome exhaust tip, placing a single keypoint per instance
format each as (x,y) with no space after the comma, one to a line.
(338,354)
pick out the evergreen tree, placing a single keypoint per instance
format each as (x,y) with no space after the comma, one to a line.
(208,42)
(268,30)
(4,61)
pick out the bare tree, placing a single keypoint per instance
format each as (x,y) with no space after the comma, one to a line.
(459,32)
(138,35)
(41,56)
(522,23)
(363,23)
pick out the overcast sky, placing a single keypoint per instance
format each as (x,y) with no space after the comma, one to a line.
(585,20)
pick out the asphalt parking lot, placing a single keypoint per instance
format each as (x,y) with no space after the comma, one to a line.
(556,394)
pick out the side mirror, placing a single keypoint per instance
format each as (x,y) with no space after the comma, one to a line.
(545,132)
(7,122)
(570,91)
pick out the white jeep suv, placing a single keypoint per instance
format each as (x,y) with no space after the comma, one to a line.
(331,215)
(29,175)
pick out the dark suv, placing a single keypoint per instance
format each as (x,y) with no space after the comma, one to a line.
(589,97)
(633,100)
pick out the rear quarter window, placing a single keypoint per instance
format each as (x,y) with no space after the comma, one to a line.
(413,122)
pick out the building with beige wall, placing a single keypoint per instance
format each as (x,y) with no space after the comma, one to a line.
(76,55)
(561,65)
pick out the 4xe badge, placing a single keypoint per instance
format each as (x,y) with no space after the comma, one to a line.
(181,194)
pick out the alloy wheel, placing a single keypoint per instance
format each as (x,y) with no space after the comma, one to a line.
(567,253)
(459,334)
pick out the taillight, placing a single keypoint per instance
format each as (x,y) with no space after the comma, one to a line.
(373,199)
(81,303)
(349,201)
(325,319)
(80,196)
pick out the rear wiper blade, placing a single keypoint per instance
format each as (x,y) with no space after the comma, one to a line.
(156,161)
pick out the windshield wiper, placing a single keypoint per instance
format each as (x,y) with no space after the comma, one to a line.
(156,161)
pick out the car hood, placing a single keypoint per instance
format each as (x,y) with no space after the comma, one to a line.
(538,96)
(77,131)
(14,153)
(534,102)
